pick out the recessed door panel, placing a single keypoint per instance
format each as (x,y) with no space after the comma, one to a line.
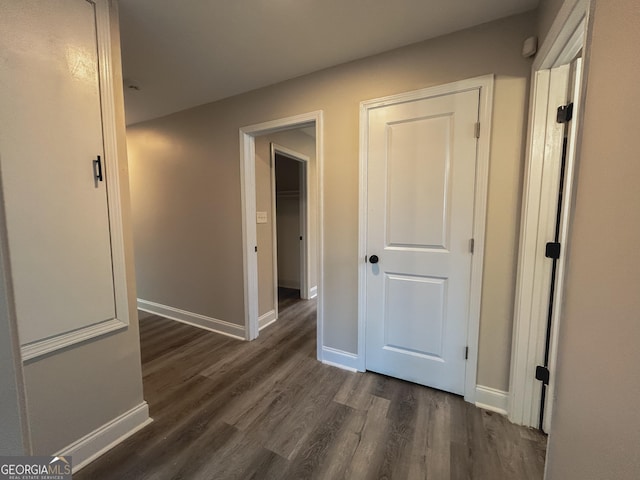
(419,153)
(415,314)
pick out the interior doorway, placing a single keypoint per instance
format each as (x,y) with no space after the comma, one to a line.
(285,243)
(425,211)
(395,292)
(291,233)
(262,148)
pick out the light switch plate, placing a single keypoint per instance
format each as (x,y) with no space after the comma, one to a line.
(261,217)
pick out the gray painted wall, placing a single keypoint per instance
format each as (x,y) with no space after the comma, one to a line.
(547,11)
(595,432)
(185,181)
(264,231)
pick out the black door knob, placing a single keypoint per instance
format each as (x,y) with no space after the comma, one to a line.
(373,259)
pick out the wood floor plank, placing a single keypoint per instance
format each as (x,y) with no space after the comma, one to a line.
(267,409)
(485,462)
(438,456)
(368,454)
(247,408)
(509,455)
(313,458)
(301,418)
(401,419)
(355,392)
(343,446)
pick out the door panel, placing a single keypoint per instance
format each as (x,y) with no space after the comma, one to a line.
(420,186)
(418,163)
(57,214)
(411,298)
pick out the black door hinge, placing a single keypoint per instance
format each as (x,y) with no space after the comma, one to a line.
(256,248)
(466,353)
(552,250)
(542,374)
(565,113)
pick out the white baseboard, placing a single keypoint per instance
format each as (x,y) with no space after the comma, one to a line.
(103,439)
(266,319)
(313,292)
(341,359)
(492,399)
(194,319)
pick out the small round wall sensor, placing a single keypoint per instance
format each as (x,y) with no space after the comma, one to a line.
(530,47)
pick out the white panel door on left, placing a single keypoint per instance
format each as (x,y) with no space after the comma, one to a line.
(50,133)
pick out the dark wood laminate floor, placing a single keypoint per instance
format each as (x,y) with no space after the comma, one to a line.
(226,409)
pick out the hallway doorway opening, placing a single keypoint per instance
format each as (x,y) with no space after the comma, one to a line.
(281,165)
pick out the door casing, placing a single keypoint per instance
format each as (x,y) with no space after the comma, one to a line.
(564,42)
(484,85)
(303,161)
(249,235)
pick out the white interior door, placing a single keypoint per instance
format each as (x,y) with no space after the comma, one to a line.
(567,144)
(420,206)
(50,134)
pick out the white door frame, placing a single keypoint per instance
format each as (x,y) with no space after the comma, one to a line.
(564,41)
(484,85)
(249,233)
(305,258)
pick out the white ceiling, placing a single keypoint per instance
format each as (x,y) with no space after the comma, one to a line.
(190,52)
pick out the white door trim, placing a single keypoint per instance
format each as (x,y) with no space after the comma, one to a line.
(484,85)
(248,197)
(305,258)
(566,36)
(565,40)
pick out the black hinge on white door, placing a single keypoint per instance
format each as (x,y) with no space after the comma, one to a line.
(466,353)
(472,245)
(477,129)
(565,113)
(552,251)
(542,374)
